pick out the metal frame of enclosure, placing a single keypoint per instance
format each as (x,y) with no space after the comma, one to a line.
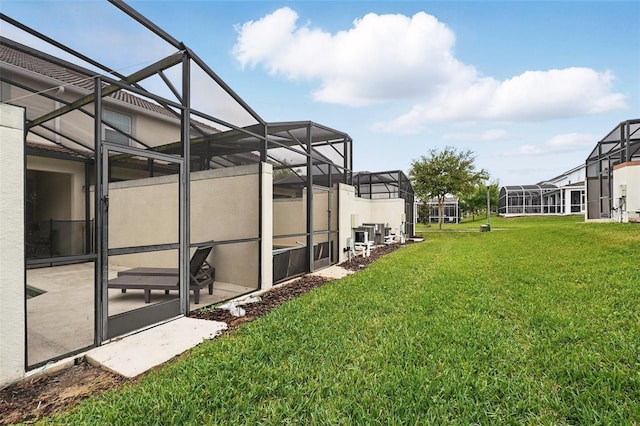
(450,212)
(65,121)
(304,155)
(389,184)
(309,161)
(620,145)
(530,200)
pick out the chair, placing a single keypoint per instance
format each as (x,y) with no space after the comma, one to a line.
(201,274)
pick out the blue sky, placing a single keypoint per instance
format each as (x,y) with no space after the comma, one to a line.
(528,86)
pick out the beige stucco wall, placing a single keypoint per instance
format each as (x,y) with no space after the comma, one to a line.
(143,212)
(289,217)
(626,175)
(321,204)
(224,206)
(148,126)
(75,172)
(12,296)
(362,210)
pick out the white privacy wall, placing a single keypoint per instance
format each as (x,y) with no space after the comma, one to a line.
(12,296)
(626,191)
(355,211)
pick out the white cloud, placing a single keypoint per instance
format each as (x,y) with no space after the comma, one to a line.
(384,58)
(571,142)
(559,144)
(531,96)
(381,58)
(525,150)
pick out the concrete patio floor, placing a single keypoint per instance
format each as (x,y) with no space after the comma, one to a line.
(61,320)
(130,355)
(134,354)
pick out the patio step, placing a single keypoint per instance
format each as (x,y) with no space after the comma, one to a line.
(132,355)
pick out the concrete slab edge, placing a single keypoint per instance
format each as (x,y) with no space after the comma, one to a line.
(55,367)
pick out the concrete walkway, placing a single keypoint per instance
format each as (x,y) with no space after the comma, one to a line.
(133,355)
(333,272)
(137,353)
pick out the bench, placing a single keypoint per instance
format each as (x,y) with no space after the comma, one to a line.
(201,275)
(155,282)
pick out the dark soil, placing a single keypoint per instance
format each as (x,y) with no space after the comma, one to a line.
(358,263)
(269,300)
(45,395)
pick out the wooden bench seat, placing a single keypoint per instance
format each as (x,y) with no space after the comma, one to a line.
(201,274)
(155,282)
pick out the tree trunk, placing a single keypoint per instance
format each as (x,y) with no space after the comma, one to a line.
(440,211)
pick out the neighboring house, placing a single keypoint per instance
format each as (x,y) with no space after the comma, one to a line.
(561,195)
(60,157)
(451,212)
(105,176)
(605,188)
(613,175)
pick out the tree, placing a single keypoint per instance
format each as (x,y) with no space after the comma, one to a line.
(475,200)
(284,172)
(494,195)
(442,173)
(279,174)
(424,210)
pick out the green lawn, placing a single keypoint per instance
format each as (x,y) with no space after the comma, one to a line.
(535,323)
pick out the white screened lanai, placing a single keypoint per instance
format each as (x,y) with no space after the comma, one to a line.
(530,200)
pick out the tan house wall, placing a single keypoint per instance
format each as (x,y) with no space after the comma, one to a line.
(290,216)
(73,207)
(149,126)
(224,206)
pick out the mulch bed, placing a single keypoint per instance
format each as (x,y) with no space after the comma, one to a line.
(280,294)
(358,263)
(268,301)
(45,395)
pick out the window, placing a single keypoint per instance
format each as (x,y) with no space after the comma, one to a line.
(577,201)
(115,120)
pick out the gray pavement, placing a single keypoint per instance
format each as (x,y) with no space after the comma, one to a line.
(139,352)
(61,320)
(70,302)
